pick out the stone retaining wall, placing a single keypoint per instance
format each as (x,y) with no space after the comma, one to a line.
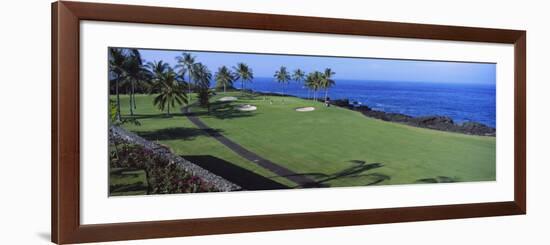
(216,181)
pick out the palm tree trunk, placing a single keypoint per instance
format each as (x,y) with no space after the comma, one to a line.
(168,111)
(134,95)
(224,88)
(189,100)
(189,89)
(283,93)
(132,98)
(242,86)
(118,117)
(326,94)
(315,95)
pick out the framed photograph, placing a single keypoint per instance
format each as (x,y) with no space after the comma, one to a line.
(178,122)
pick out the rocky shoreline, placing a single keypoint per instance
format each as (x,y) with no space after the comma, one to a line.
(442,123)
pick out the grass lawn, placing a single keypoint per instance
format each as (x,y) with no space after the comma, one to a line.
(183,137)
(335,146)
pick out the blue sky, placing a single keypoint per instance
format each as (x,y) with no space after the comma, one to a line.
(264,65)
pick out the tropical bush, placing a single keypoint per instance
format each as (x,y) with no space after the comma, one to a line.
(163,177)
(113,116)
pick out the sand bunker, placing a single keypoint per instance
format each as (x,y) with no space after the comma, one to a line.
(247,108)
(302,109)
(228,99)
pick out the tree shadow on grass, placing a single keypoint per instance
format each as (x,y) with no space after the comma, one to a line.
(151,116)
(223,110)
(176,133)
(358,169)
(228,111)
(247,179)
(438,179)
(137,186)
(124,173)
(250,96)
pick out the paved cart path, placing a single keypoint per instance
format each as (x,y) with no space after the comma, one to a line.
(302,181)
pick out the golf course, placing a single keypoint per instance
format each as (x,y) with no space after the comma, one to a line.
(332,146)
(200,121)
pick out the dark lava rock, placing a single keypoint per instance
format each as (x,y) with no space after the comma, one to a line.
(341,103)
(434,122)
(390,117)
(478,129)
(442,123)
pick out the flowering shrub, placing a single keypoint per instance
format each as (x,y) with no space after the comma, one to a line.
(163,177)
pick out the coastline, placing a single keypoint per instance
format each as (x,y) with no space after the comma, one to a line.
(435,122)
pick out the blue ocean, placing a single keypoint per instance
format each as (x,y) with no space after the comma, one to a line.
(461,102)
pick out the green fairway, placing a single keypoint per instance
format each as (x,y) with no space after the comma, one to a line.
(335,146)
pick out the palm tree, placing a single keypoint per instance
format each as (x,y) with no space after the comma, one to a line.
(243,73)
(157,68)
(202,77)
(327,81)
(169,90)
(313,82)
(185,63)
(223,78)
(136,74)
(117,62)
(282,77)
(299,76)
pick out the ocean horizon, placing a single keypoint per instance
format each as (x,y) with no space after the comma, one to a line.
(462,102)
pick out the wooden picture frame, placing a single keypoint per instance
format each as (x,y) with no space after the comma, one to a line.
(66,226)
